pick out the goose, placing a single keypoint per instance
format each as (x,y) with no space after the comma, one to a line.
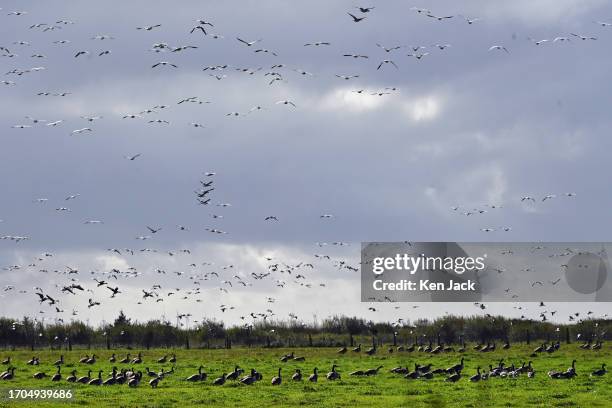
(314,376)
(10,375)
(357,349)
(357,373)
(72,377)
(299,359)
(457,368)
(506,345)
(439,348)
(453,377)
(196,377)
(121,377)
(220,380)
(96,381)
(256,374)
(371,351)
(39,375)
(287,357)
(333,374)
(423,369)
(84,359)
(355,19)
(277,380)
(572,369)
(60,361)
(150,373)
(113,379)
(134,381)
(92,360)
(138,359)
(476,377)
(162,359)
(428,375)
(173,358)
(373,371)
(234,374)
(32,361)
(249,379)
(413,375)
(600,372)
(399,370)
(297,376)
(112,358)
(342,350)
(531,374)
(57,376)
(85,379)
(154,382)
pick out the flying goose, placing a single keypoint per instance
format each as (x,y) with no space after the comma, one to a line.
(355,19)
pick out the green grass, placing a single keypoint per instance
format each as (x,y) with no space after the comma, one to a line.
(383,390)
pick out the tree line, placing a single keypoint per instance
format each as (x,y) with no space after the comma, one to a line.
(334,331)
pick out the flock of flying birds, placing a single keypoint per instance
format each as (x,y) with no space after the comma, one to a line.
(92,288)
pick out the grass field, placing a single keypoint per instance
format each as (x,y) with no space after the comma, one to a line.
(382,390)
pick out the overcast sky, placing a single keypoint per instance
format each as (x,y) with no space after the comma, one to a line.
(465,127)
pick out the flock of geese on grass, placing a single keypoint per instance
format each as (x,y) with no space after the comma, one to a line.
(133,377)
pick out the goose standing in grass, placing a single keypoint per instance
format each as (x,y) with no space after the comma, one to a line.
(600,372)
(6,361)
(91,360)
(126,359)
(112,358)
(96,381)
(85,379)
(297,376)
(154,382)
(32,361)
(314,376)
(60,361)
(220,380)
(277,380)
(357,349)
(162,360)
(342,350)
(197,376)
(134,381)
(333,374)
(72,377)
(173,358)
(476,377)
(84,359)
(57,376)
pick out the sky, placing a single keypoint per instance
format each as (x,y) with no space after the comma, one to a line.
(465,127)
